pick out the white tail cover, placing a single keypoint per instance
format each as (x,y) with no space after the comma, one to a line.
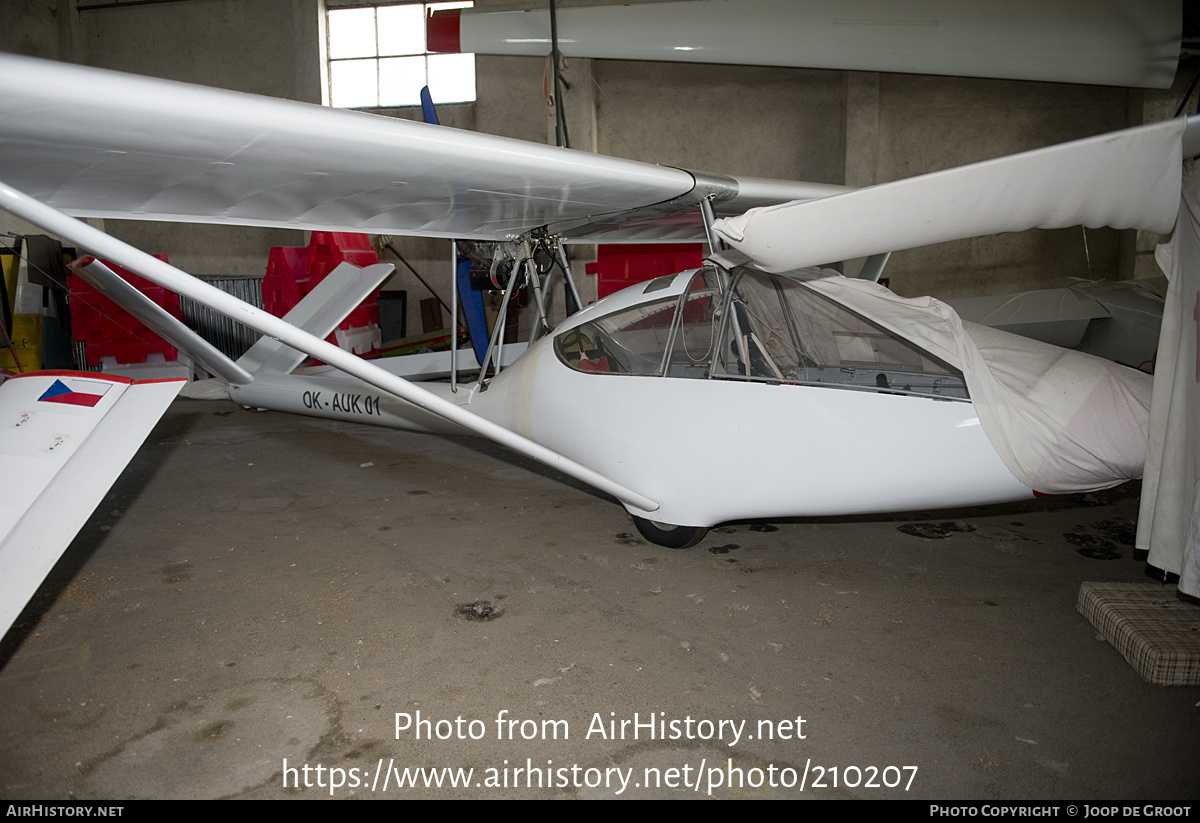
(1127,179)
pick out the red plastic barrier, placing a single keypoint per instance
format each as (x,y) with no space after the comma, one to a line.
(619,265)
(294,271)
(107,330)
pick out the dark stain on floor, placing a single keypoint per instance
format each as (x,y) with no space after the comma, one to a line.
(212,731)
(175,573)
(1120,531)
(1092,547)
(480,610)
(935,531)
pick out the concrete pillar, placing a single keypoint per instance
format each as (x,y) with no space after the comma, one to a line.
(861,139)
(70,40)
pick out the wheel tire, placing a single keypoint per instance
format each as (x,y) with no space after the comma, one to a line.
(668,536)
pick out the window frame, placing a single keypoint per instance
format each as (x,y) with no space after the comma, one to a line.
(331,96)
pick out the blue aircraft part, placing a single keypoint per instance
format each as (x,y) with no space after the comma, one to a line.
(427,106)
(472,301)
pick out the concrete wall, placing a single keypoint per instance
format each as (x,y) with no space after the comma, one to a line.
(932,123)
(29,27)
(762,122)
(258,47)
(816,125)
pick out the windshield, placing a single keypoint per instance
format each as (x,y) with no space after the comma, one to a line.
(671,337)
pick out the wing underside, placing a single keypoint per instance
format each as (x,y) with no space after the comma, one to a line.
(104,144)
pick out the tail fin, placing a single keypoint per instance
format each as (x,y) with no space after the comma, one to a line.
(319,313)
(427,107)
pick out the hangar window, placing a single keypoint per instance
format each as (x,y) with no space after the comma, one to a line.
(378,58)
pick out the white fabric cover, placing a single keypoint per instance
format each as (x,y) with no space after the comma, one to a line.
(1061,421)
(1126,179)
(1167,521)
(1029,307)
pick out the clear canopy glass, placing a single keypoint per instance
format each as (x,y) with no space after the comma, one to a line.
(762,327)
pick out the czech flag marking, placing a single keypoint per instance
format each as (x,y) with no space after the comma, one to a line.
(85,393)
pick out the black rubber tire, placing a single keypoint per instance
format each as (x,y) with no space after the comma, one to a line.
(668,536)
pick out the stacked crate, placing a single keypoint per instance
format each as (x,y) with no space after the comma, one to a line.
(110,334)
(294,271)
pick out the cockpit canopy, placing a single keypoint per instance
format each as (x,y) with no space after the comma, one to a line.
(751,326)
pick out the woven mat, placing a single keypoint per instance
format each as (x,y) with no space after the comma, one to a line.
(1150,625)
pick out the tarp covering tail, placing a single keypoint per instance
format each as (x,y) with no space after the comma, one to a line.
(1169,519)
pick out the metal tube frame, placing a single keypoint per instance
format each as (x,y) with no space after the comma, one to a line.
(454,315)
(496,344)
(715,243)
(167,276)
(565,264)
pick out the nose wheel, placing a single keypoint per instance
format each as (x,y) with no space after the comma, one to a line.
(668,536)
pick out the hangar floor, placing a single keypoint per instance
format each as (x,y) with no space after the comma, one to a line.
(261,588)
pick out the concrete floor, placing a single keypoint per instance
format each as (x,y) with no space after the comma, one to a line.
(260,587)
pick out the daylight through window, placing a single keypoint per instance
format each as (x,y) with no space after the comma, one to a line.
(377,57)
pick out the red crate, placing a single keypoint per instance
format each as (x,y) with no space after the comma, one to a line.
(619,265)
(294,271)
(107,330)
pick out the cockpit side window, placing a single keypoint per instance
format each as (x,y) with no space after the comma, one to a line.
(696,324)
(779,330)
(628,342)
(763,328)
(637,340)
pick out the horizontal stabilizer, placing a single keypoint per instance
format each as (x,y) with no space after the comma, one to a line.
(1057,316)
(64,438)
(320,312)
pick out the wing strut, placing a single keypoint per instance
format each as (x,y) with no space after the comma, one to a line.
(168,276)
(109,283)
(873,266)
